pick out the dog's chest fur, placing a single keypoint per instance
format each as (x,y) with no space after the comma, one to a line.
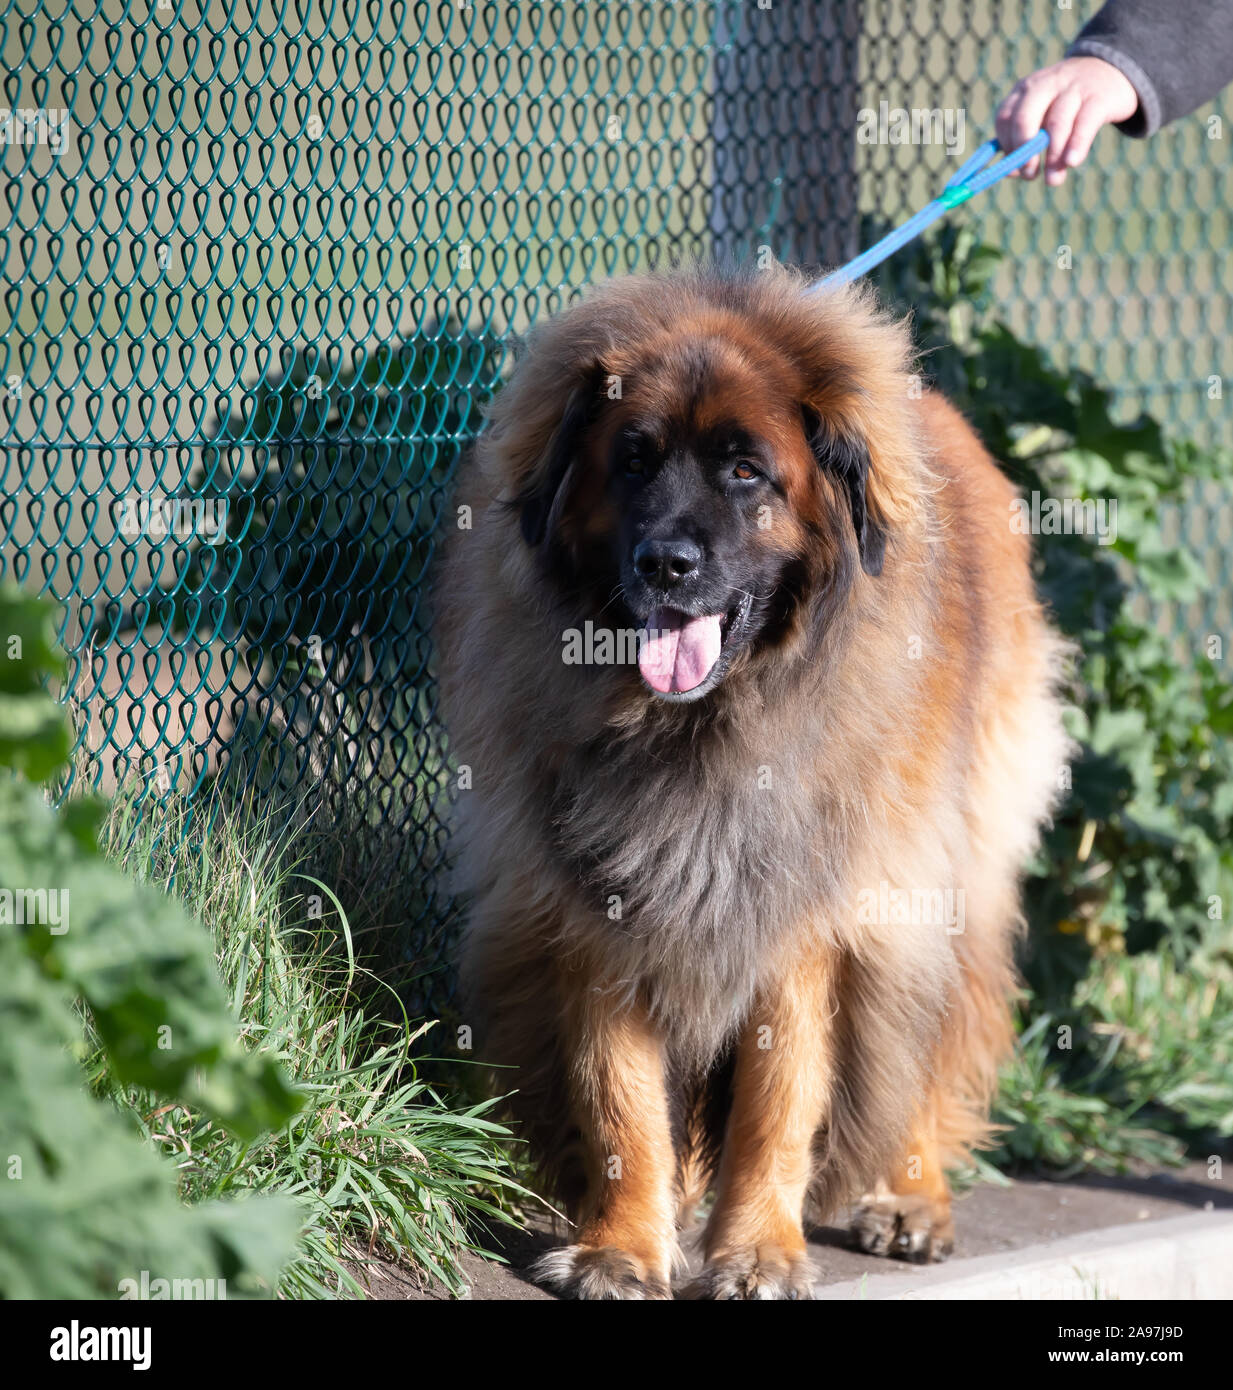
(694,852)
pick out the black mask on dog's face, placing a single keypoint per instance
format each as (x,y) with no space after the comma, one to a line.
(692,550)
(694,567)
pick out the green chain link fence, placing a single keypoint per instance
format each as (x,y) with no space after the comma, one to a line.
(264,261)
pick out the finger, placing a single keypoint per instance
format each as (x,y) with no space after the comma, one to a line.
(1006,127)
(1087,123)
(1025,120)
(1002,127)
(1059,121)
(1005,114)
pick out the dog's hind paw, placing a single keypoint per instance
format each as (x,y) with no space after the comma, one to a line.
(598,1272)
(904,1226)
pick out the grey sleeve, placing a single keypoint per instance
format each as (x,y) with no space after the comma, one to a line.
(1177,54)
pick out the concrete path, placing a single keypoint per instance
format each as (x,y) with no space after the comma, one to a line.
(1164,1235)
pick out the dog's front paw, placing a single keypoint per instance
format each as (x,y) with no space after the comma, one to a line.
(905,1226)
(598,1272)
(763,1271)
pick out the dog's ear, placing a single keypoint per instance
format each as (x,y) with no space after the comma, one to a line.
(847,459)
(541,501)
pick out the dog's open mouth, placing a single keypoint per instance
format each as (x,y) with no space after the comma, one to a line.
(683,653)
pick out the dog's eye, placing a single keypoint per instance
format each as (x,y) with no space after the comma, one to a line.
(744,470)
(634,464)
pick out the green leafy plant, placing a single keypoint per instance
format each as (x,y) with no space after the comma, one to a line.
(85,1204)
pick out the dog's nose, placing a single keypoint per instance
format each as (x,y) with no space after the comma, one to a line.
(667,563)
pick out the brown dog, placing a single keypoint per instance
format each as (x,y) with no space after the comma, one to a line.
(743,889)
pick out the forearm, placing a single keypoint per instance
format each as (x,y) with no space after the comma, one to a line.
(1177,54)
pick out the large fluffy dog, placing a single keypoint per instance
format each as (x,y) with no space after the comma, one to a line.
(743,905)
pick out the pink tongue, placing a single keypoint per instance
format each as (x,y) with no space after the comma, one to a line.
(679,651)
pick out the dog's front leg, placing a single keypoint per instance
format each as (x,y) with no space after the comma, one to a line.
(627,1236)
(755,1242)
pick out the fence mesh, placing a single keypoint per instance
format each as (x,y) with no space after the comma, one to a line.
(265,259)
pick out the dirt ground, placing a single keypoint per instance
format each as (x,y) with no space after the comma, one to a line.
(988,1219)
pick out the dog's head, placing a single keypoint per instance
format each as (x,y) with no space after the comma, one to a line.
(705,463)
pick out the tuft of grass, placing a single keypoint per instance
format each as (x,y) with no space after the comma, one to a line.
(1170,1026)
(381,1165)
(1139,1070)
(1052,1120)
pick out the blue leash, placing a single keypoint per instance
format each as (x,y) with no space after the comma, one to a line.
(966,183)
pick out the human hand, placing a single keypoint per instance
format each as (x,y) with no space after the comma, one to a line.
(1071,100)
